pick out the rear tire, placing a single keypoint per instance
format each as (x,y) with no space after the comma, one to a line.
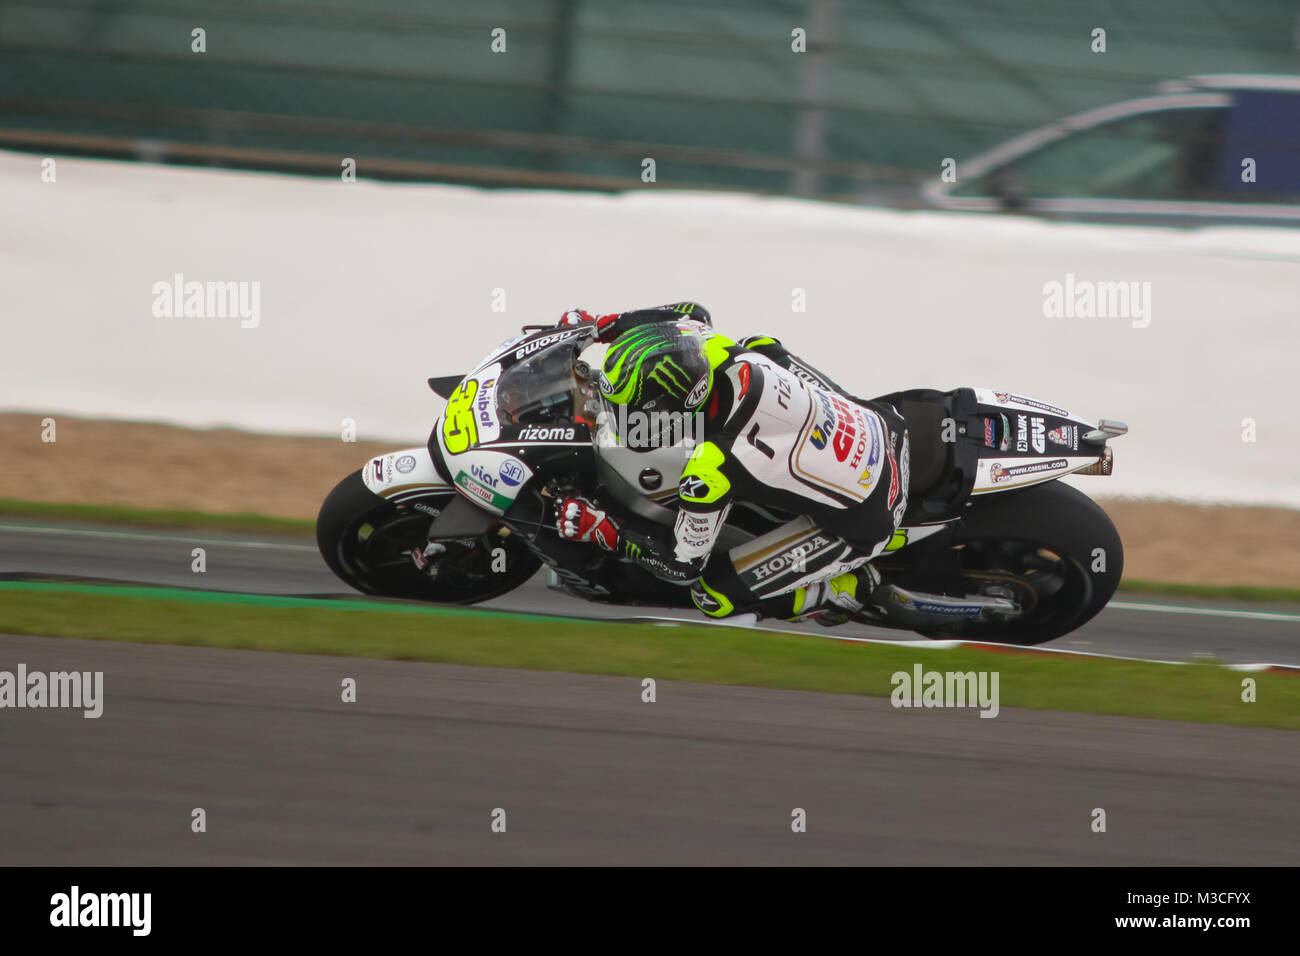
(366,542)
(1045,541)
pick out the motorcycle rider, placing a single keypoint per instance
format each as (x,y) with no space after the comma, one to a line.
(777,435)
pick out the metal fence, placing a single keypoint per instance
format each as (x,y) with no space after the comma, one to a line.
(578,93)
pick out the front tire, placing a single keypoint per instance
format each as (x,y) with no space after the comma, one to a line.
(367,543)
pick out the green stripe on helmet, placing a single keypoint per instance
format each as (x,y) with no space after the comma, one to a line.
(639,357)
(621,381)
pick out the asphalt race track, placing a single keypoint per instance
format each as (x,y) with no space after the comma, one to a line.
(1225,630)
(587,773)
(583,769)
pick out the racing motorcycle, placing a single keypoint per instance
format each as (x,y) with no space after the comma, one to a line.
(992,547)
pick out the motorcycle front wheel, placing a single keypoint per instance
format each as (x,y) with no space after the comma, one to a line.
(368,543)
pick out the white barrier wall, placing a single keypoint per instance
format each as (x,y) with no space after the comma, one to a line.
(367,289)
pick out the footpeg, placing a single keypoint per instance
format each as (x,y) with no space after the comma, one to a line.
(421,558)
(1105,430)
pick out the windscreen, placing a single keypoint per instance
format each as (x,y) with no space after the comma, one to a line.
(539,389)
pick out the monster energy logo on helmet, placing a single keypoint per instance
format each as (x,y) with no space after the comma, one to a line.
(652,361)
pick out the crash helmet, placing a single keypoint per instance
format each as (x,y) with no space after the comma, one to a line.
(657,368)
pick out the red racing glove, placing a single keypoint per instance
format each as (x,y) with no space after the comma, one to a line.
(580,520)
(576,317)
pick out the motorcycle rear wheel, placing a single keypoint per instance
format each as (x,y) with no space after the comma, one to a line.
(1051,547)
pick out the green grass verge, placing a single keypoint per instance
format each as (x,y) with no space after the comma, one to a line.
(1198,692)
(155,517)
(1227,592)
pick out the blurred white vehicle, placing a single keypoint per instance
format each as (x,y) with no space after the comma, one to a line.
(1207,149)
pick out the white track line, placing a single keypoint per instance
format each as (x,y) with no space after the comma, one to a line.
(1205,611)
(941,645)
(142,536)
